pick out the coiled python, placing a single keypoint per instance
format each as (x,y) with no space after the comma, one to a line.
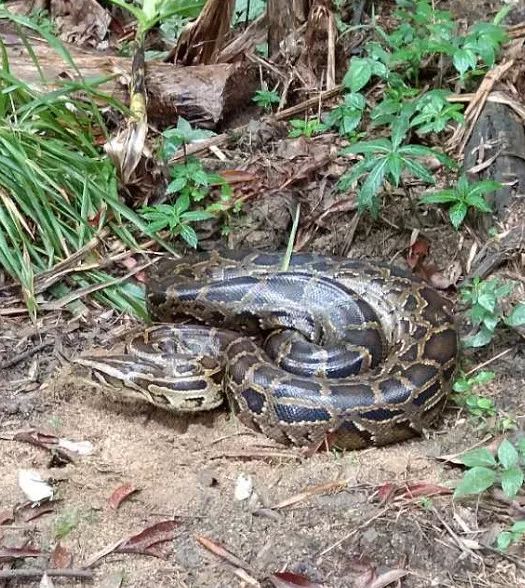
(362,353)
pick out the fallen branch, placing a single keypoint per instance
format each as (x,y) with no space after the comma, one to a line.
(52,573)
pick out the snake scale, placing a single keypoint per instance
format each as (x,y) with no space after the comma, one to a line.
(355,352)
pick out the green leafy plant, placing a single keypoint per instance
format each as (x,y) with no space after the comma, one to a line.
(429,113)
(482,43)
(176,218)
(347,116)
(434,112)
(59,190)
(463,197)
(266,99)
(477,406)
(423,32)
(360,72)
(386,160)
(65,523)
(180,136)
(506,538)
(153,12)
(485,313)
(426,33)
(485,470)
(306,128)
(191,183)
(398,101)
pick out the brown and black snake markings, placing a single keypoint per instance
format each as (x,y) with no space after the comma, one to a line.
(357,352)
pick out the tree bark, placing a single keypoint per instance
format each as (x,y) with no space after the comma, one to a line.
(284,17)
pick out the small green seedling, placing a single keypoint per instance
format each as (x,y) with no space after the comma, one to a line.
(485,312)
(463,197)
(180,136)
(347,116)
(266,99)
(477,406)
(434,112)
(191,183)
(306,128)
(175,218)
(506,538)
(386,160)
(65,523)
(486,470)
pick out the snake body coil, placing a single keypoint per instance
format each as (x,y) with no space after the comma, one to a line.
(361,352)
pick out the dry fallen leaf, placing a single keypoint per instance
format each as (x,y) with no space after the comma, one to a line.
(142,542)
(6,516)
(291,580)
(145,541)
(120,494)
(60,557)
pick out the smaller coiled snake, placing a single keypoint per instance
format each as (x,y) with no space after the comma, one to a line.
(362,353)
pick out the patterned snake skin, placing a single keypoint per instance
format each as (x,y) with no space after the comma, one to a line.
(355,352)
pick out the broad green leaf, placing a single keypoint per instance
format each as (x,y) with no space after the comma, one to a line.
(367,197)
(491,321)
(504,540)
(376,146)
(478,457)
(355,100)
(441,197)
(507,454)
(461,385)
(197,215)
(480,339)
(457,214)
(350,122)
(181,204)
(394,168)
(484,187)
(347,180)
(485,403)
(358,74)
(483,377)
(518,527)
(464,59)
(475,481)
(399,130)
(487,300)
(511,481)
(189,235)
(517,317)
(176,185)
(418,170)
(478,201)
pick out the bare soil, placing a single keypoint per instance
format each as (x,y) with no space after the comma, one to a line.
(335,518)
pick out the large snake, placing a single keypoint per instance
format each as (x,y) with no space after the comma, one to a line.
(355,352)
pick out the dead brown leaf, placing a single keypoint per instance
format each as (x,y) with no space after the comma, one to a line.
(60,557)
(6,516)
(146,541)
(142,543)
(290,580)
(120,494)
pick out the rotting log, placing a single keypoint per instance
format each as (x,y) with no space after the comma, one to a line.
(496,151)
(203,94)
